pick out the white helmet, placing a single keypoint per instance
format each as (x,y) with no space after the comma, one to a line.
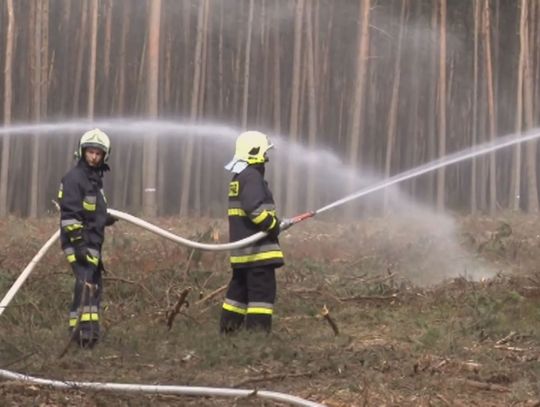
(251,147)
(95,138)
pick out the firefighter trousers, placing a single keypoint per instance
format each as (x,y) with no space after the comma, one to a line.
(249,300)
(84,312)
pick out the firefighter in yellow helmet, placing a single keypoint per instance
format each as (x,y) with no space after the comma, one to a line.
(252,290)
(83,217)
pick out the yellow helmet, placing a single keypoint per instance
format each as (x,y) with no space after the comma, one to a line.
(95,138)
(251,147)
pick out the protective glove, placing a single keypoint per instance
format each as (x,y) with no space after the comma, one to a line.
(273,232)
(81,250)
(111,220)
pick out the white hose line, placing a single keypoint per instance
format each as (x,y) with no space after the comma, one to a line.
(186,242)
(141,388)
(138,222)
(161,389)
(26,272)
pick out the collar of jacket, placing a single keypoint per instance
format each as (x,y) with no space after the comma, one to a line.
(258,167)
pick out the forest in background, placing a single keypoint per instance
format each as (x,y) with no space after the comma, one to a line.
(387,85)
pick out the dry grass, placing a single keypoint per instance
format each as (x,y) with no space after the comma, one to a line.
(457,342)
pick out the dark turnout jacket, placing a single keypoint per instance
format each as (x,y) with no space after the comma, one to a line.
(83,207)
(251,210)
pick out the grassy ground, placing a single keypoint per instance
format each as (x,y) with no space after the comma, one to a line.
(414,328)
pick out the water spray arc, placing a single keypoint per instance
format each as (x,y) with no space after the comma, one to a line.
(467,154)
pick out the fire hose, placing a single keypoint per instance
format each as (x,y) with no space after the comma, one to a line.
(142,388)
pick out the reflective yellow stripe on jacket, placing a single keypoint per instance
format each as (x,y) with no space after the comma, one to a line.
(250,258)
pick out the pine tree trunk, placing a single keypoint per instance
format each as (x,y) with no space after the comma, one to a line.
(245,98)
(491,109)
(312,105)
(120,94)
(531,146)
(263,110)
(277,185)
(8,100)
(474,125)
(187,171)
(362,51)
(36,64)
(516,164)
(292,184)
(432,100)
(119,190)
(94,5)
(66,64)
(150,148)
(199,153)
(221,83)
(394,102)
(80,58)
(105,104)
(441,173)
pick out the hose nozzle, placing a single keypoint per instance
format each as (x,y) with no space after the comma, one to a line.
(288,222)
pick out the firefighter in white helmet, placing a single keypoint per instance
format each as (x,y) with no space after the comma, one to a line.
(83,217)
(252,290)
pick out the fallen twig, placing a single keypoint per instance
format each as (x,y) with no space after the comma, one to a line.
(443,399)
(305,291)
(483,385)
(181,300)
(470,366)
(188,264)
(506,338)
(207,280)
(510,348)
(326,315)
(212,294)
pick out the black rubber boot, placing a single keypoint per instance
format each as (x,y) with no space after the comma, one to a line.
(230,322)
(259,322)
(88,335)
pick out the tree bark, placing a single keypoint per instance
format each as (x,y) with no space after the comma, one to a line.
(105,100)
(80,58)
(441,173)
(474,124)
(94,5)
(312,104)
(531,146)
(187,172)
(8,89)
(392,114)
(516,164)
(150,148)
(362,51)
(245,98)
(432,100)
(36,52)
(491,109)
(294,124)
(276,110)
(199,150)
